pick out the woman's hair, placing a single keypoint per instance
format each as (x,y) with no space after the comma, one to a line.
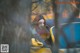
(37,18)
(41,17)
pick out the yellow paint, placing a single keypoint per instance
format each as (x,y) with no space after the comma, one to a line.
(52,35)
(36,42)
(44,50)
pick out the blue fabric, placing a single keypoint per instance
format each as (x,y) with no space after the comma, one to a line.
(50,22)
(72,32)
(77,20)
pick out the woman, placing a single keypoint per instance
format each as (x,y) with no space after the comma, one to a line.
(40,26)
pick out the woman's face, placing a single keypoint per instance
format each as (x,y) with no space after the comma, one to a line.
(41,22)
